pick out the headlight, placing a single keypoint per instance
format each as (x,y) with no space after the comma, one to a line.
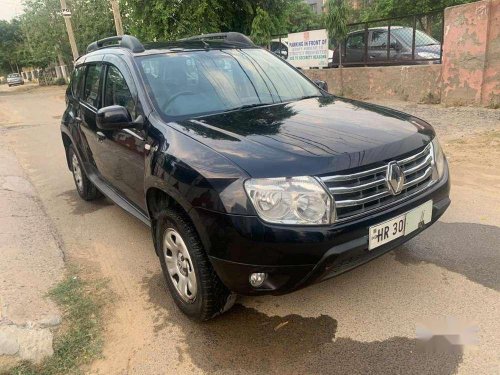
(439,161)
(294,200)
(428,55)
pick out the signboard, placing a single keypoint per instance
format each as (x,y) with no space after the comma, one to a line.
(308,49)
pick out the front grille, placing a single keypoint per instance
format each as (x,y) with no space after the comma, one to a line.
(358,193)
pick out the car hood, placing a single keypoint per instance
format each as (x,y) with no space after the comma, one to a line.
(309,137)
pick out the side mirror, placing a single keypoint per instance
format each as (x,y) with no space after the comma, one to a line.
(283,53)
(321,84)
(114,117)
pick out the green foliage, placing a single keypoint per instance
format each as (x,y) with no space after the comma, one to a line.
(81,338)
(166,20)
(337,14)
(92,20)
(298,16)
(11,39)
(39,38)
(400,8)
(44,32)
(261,28)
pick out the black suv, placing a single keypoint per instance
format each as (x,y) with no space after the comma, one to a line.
(252,179)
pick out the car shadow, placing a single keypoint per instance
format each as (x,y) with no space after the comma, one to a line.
(466,248)
(245,340)
(81,207)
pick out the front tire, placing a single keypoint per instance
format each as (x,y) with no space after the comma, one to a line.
(86,189)
(193,284)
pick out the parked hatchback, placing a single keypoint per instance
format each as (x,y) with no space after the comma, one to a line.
(15,79)
(252,179)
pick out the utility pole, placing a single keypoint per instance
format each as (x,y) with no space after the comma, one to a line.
(69,28)
(118,18)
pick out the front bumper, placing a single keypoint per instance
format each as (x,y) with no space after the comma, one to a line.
(295,257)
(15,82)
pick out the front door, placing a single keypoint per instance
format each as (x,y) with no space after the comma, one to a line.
(125,148)
(354,49)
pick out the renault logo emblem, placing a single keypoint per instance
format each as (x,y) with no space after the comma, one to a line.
(394,178)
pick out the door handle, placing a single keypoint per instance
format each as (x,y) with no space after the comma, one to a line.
(100,136)
(78,119)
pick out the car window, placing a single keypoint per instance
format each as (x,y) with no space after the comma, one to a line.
(91,91)
(116,91)
(378,39)
(76,81)
(188,83)
(356,41)
(421,39)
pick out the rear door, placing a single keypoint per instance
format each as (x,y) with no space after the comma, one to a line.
(90,102)
(377,46)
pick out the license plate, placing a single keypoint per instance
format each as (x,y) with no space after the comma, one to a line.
(401,225)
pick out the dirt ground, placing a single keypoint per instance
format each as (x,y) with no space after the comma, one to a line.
(364,321)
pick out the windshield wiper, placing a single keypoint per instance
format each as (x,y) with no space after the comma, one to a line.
(309,97)
(247,106)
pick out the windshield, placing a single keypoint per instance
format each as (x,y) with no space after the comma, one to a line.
(421,38)
(196,82)
(13,75)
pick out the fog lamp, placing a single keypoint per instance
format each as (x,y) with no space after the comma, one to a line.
(257,279)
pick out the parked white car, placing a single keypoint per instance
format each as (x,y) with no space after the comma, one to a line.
(15,79)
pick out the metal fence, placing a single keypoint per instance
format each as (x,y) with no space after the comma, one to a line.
(415,39)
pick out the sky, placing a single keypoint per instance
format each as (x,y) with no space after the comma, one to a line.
(10,8)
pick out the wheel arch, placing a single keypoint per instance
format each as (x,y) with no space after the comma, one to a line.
(158,198)
(66,142)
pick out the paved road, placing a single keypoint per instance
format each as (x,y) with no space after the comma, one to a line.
(362,322)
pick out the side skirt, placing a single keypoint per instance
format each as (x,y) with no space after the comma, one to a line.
(118,199)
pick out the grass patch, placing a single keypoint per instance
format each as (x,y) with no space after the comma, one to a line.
(79,341)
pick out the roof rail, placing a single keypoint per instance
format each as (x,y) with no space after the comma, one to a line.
(230,37)
(126,41)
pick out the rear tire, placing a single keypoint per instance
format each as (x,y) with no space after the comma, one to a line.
(86,189)
(193,284)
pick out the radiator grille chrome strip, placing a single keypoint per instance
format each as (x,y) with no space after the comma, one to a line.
(358,193)
(340,189)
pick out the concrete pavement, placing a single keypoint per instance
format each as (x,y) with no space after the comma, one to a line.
(31,264)
(364,321)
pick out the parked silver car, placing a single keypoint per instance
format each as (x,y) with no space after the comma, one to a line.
(15,79)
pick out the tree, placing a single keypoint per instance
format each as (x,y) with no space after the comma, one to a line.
(401,8)
(10,42)
(169,20)
(261,28)
(298,16)
(43,28)
(45,39)
(337,13)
